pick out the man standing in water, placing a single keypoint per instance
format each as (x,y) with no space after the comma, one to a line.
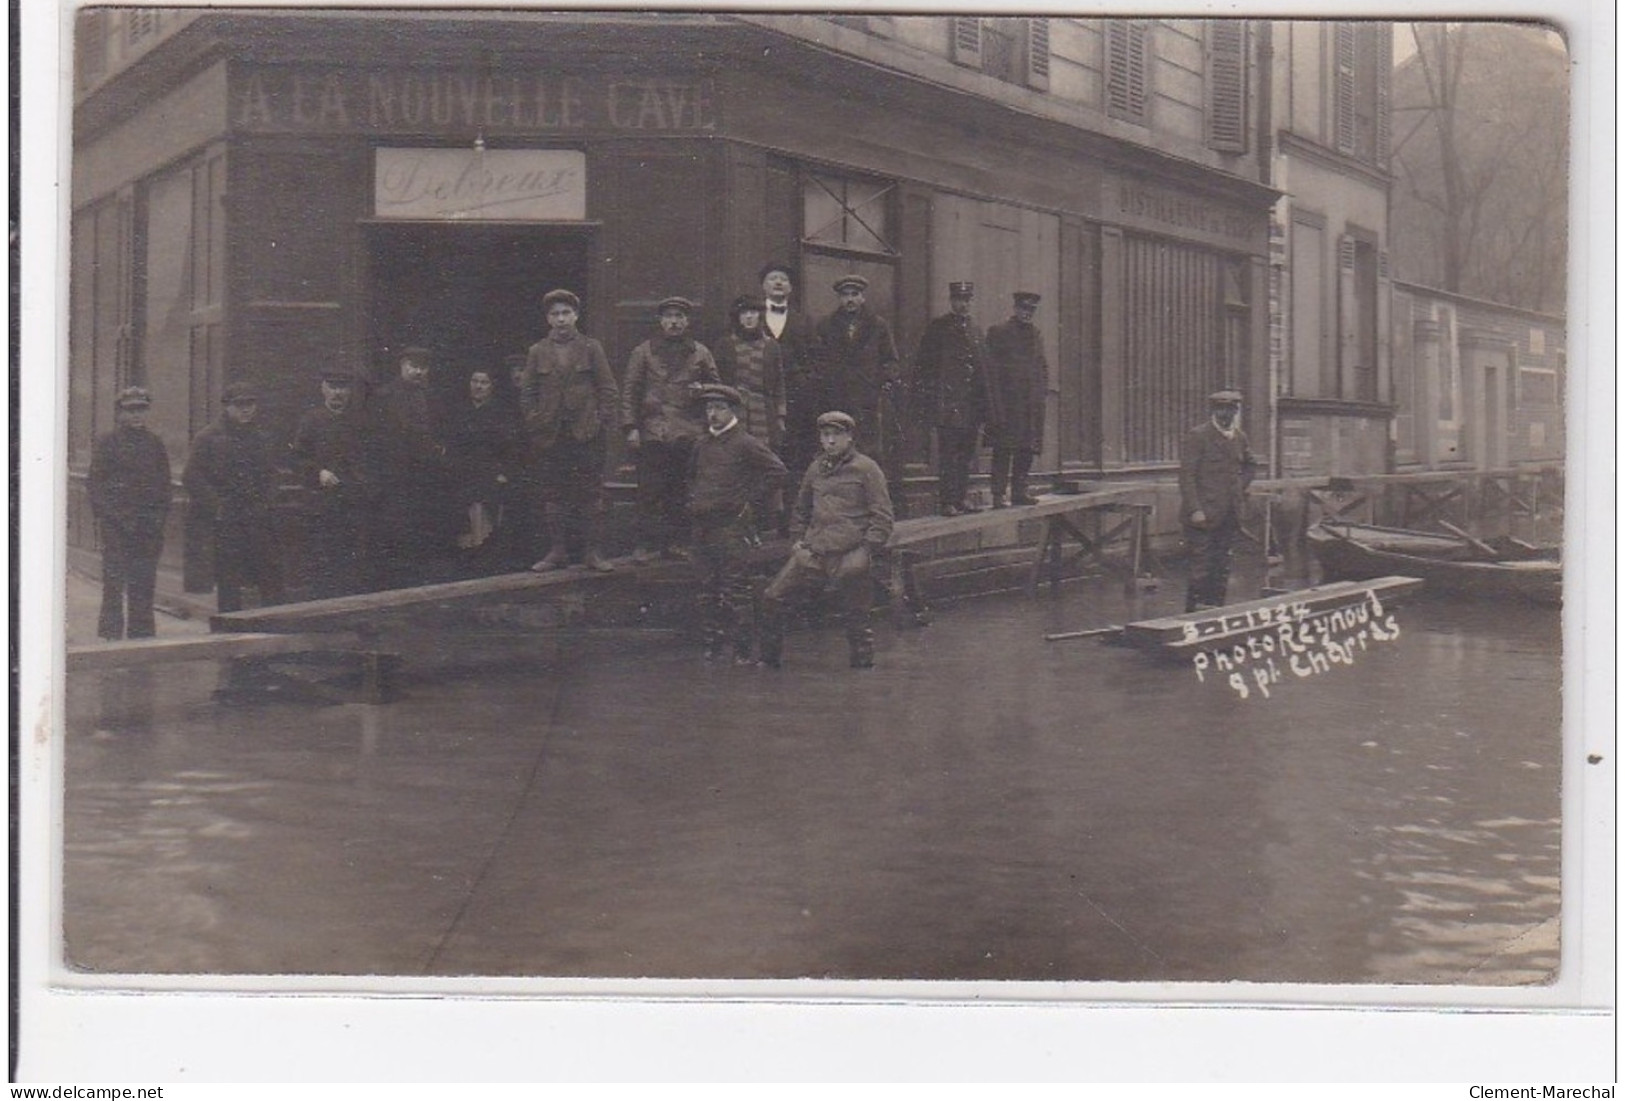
(1215,467)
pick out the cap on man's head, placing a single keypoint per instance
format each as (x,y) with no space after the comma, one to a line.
(748,302)
(1027,298)
(1224,397)
(851,282)
(961,290)
(836,419)
(568,298)
(716,391)
(675,302)
(774,265)
(239,393)
(338,376)
(417,354)
(133,397)
(515,360)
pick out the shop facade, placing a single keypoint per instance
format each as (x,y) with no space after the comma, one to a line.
(261,198)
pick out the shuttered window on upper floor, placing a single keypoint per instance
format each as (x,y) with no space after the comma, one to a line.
(1128,69)
(1227,85)
(1361,64)
(1014,49)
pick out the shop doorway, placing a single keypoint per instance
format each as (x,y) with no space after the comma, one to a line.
(470,293)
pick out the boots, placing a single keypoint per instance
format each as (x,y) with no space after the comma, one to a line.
(555,559)
(597,562)
(860,643)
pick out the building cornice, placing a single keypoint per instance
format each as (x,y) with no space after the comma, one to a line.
(1291,144)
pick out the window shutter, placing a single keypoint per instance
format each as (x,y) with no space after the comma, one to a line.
(967,40)
(1384,65)
(1038,54)
(1126,69)
(91,31)
(1343,92)
(1227,85)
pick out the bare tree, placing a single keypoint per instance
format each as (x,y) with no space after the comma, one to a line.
(1480,205)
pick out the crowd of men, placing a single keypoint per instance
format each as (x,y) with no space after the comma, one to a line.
(398,493)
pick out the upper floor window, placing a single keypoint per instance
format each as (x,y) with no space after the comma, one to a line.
(140,25)
(1014,49)
(1361,66)
(1227,85)
(1128,69)
(848,213)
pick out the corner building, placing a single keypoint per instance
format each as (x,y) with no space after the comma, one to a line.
(258,195)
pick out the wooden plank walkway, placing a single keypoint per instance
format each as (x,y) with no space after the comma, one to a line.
(1210,627)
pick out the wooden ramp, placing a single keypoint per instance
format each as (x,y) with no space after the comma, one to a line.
(374,667)
(541,601)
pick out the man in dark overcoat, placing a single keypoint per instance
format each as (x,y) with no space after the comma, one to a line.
(331,462)
(804,390)
(571,404)
(1018,384)
(130,494)
(950,386)
(861,371)
(1215,467)
(230,481)
(415,525)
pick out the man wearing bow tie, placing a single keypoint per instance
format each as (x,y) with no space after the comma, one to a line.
(805,396)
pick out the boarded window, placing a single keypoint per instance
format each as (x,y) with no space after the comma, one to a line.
(849,213)
(1227,85)
(1127,69)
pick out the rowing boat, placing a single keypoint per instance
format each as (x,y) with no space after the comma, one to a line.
(1454,563)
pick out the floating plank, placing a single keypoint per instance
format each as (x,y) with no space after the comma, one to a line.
(1216,626)
(159,651)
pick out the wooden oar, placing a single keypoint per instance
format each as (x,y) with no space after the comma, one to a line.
(1477,544)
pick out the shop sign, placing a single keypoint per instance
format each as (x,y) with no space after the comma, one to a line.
(527,185)
(1165,210)
(287,99)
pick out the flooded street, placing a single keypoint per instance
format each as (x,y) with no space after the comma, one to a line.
(983,805)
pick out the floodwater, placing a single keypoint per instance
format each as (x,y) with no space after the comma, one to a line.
(983,805)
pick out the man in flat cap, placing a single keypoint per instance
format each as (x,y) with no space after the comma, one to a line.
(130,494)
(230,481)
(1215,467)
(861,371)
(733,472)
(951,387)
(331,461)
(416,525)
(842,519)
(659,418)
(1018,384)
(571,404)
(804,391)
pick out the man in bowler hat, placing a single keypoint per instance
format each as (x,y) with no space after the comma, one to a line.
(1216,465)
(130,495)
(332,464)
(861,372)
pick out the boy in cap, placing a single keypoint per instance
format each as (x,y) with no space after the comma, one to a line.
(569,400)
(1018,384)
(657,414)
(230,479)
(952,388)
(1215,467)
(330,460)
(129,493)
(861,368)
(732,472)
(842,519)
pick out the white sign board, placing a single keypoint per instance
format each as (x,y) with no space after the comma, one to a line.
(526,185)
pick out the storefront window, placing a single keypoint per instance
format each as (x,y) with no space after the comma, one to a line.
(848,213)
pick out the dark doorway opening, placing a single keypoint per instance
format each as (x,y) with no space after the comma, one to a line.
(470,293)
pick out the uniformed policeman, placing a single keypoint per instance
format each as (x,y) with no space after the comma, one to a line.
(951,386)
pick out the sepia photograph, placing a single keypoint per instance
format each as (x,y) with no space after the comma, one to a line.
(919,506)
